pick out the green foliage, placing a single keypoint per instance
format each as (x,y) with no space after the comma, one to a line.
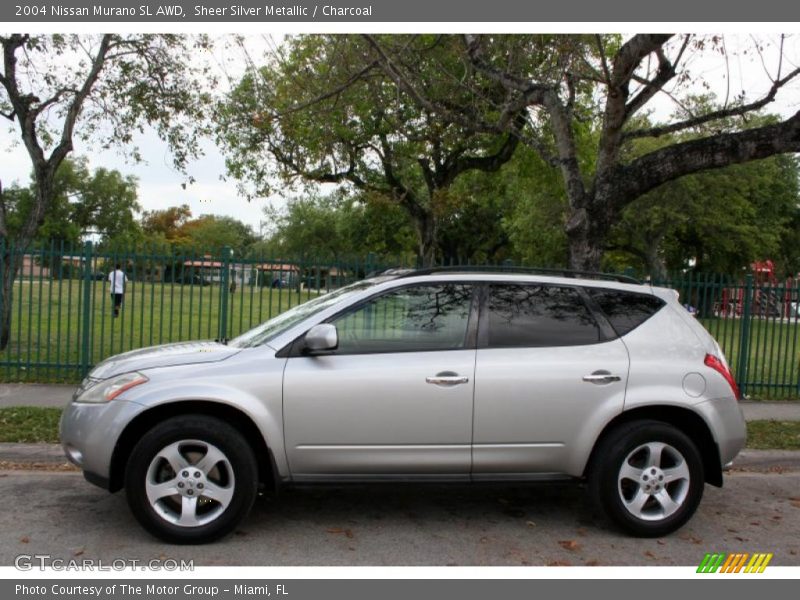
(84,202)
(316,114)
(212,233)
(716,221)
(335,226)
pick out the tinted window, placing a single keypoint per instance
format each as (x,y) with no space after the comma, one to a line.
(625,310)
(430,317)
(539,316)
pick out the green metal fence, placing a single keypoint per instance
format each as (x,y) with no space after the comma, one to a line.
(62,320)
(62,317)
(756,323)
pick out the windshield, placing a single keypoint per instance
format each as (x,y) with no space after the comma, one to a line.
(277,325)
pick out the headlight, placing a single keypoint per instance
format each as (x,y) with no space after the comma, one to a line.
(106,391)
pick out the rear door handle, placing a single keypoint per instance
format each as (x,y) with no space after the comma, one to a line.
(447,379)
(599,377)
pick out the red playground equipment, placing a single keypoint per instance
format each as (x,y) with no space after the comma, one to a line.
(770,297)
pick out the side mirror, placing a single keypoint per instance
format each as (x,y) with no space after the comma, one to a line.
(321,337)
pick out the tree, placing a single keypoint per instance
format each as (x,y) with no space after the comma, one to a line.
(102,202)
(337,226)
(715,222)
(307,115)
(212,233)
(57,87)
(609,85)
(167,223)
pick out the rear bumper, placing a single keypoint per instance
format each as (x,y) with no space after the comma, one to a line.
(726,422)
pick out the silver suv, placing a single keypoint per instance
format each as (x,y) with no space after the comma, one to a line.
(434,375)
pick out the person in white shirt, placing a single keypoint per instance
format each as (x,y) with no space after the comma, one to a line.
(117,280)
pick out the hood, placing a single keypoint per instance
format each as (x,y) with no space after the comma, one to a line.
(167,355)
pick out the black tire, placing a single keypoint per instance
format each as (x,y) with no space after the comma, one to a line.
(193,437)
(619,496)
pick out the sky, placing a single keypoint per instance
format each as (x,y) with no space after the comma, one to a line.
(160,185)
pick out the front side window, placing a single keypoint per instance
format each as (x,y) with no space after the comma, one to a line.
(413,319)
(535,316)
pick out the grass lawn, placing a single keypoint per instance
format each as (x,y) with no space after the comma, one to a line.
(34,425)
(29,425)
(783,435)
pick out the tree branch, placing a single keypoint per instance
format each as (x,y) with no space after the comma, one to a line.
(65,144)
(488,163)
(717,114)
(722,150)
(471,121)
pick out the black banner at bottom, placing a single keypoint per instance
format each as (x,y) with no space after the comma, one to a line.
(387,589)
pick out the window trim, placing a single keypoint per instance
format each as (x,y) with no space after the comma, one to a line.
(605,331)
(295,348)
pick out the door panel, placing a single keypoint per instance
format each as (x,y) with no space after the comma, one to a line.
(547,377)
(395,398)
(534,412)
(376,414)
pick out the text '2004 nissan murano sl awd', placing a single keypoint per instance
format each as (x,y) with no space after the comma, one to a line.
(437,375)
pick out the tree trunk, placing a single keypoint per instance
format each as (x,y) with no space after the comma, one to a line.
(427,240)
(655,263)
(10,267)
(586,240)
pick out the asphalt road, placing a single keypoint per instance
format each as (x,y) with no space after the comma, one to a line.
(61,515)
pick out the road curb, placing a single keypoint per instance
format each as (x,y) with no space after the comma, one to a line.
(32,453)
(747,460)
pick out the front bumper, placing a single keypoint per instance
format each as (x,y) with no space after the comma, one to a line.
(89,434)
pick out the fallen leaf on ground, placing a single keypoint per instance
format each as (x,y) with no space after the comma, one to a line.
(25,539)
(570,545)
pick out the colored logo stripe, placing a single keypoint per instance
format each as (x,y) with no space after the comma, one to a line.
(758,563)
(711,563)
(734,563)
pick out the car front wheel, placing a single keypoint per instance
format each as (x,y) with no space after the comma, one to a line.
(647,478)
(191,479)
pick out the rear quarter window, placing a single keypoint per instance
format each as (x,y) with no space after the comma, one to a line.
(625,310)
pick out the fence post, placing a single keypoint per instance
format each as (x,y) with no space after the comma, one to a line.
(224,282)
(744,335)
(86,319)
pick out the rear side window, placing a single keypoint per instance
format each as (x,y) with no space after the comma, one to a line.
(535,316)
(625,310)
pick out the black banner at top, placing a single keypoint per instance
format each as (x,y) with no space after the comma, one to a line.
(385,11)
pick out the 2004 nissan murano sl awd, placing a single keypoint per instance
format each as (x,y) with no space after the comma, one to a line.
(437,375)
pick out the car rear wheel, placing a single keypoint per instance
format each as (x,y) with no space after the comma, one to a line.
(647,478)
(191,479)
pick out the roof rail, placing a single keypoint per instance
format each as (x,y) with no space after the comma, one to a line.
(524,270)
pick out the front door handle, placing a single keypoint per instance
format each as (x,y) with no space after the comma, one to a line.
(600,377)
(447,378)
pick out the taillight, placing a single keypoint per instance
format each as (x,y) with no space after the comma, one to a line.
(720,367)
